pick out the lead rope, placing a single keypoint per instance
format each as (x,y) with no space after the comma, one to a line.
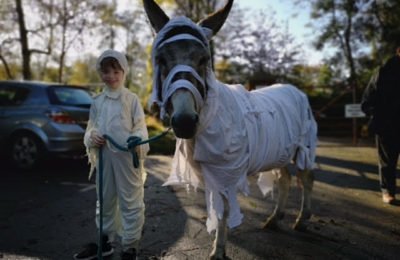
(132,142)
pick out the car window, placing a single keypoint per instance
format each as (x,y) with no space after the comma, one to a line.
(69,96)
(12,96)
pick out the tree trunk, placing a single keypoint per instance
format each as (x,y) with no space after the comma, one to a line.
(6,67)
(26,54)
(63,42)
(61,67)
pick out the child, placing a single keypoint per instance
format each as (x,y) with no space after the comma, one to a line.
(117,112)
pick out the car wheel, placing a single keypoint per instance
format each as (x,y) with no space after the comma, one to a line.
(26,151)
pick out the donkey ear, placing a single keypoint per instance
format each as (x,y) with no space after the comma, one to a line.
(155,14)
(215,20)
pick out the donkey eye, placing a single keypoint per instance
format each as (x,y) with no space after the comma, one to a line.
(203,61)
(161,61)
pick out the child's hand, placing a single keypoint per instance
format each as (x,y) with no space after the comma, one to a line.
(97,139)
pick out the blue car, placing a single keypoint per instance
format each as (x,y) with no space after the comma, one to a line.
(39,119)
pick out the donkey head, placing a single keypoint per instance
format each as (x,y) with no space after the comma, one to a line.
(181,60)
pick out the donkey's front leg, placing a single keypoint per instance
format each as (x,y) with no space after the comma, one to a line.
(307,179)
(218,251)
(283,192)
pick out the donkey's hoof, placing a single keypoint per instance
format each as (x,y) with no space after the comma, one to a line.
(300,225)
(306,215)
(271,223)
(215,256)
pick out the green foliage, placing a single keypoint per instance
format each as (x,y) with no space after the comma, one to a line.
(194,9)
(231,72)
(364,33)
(15,71)
(382,28)
(318,80)
(165,145)
(51,74)
(82,73)
(325,77)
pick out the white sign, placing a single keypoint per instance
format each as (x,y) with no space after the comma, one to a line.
(353,110)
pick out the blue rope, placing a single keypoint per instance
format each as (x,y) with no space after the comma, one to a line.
(131,144)
(100,191)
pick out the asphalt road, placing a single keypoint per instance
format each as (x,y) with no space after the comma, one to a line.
(49,213)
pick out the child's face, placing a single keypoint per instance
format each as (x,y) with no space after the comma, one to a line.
(112,77)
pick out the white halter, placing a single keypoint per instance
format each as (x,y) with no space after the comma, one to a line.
(169,86)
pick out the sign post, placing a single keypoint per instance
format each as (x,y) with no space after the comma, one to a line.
(354,111)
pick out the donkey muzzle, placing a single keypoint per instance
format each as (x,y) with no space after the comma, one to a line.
(184,124)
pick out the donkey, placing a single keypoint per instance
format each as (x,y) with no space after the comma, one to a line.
(224,132)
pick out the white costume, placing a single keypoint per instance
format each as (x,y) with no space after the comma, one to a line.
(240,132)
(118,113)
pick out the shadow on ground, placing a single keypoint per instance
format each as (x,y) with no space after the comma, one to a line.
(48,213)
(51,215)
(349,220)
(343,179)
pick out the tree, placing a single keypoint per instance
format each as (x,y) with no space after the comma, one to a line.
(197,9)
(381,25)
(6,42)
(257,46)
(50,28)
(336,24)
(109,21)
(244,47)
(135,48)
(363,33)
(81,73)
(24,39)
(23,34)
(314,78)
(72,17)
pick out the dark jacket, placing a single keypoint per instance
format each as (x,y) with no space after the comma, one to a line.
(381,100)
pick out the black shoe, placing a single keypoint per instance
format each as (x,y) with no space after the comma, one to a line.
(129,254)
(107,248)
(90,250)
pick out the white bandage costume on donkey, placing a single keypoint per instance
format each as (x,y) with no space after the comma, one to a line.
(118,113)
(240,132)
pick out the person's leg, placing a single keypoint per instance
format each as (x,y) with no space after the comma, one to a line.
(387,165)
(130,193)
(110,226)
(111,216)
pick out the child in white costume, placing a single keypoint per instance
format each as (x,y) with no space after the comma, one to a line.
(117,113)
